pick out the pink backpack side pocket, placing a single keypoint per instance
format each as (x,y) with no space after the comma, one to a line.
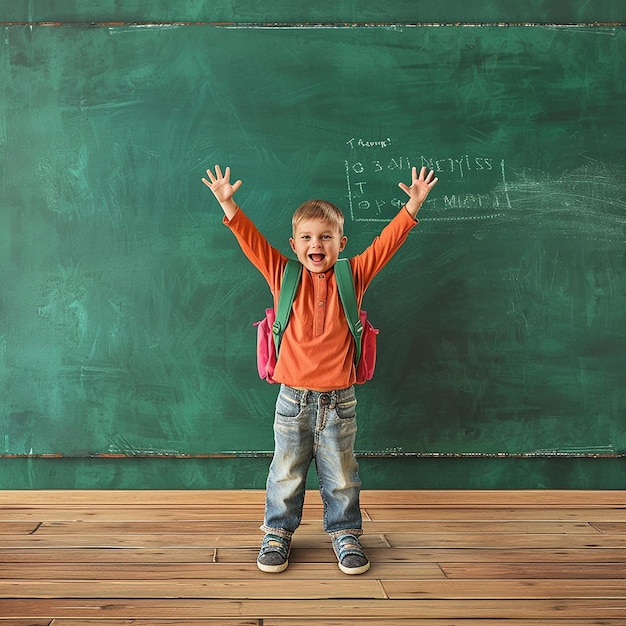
(265,350)
(367,362)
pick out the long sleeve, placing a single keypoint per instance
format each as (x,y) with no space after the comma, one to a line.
(317,350)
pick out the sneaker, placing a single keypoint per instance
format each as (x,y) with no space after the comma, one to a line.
(350,555)
(274,554)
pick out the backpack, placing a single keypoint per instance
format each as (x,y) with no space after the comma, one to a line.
(271,328)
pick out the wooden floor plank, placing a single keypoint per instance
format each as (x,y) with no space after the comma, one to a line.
(167,499)
(143,513)
(305,621)
(475,526)
(170,540)
(455,558)
(450,608)
(178,527)
(398,556)
(417,621)
(487,514)
(506,540)
(384,498)
(328,570)
(311,514)
(17,528)
(236,527)
(511,589)
(397,540)
(494,499)
(533,571)
(613,527)
(239,589)
(155,622)
(10,621)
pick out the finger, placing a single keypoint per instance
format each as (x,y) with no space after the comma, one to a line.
(218,172)
(432,183)
(209,173)
(206,182)
(405,188)
(422,173)
(236,185)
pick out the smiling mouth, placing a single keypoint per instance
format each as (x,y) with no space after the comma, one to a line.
(317,258)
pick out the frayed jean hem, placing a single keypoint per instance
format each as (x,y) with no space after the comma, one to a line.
(281,532)
(357,532)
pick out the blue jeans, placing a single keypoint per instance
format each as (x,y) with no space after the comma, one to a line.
(322,426)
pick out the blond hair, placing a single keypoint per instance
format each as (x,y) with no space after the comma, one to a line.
(318,209)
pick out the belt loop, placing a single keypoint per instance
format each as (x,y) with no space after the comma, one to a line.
(328,399)
(303,397)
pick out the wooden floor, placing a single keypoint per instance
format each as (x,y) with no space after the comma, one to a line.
(446,558)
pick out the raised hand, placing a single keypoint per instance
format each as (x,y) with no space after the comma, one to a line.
(222,189)
(220,185)
(419,189)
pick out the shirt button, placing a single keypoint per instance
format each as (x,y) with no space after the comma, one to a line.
(321,304)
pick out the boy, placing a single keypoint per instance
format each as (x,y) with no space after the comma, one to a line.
(315,414)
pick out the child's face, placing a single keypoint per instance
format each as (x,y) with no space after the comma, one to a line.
(317,244)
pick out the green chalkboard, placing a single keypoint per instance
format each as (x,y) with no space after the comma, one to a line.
(126,308)
(321,11)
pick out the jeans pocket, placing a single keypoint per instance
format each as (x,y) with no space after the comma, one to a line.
(287,406)
(346,408)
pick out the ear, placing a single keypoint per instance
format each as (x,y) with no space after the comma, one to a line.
(292,243)
(342,243)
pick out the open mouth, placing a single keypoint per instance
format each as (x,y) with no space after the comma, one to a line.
(317,258)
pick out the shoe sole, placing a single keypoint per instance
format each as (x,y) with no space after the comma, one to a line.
(351,571)
(273,569)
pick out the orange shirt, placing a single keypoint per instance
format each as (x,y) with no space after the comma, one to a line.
(317,349)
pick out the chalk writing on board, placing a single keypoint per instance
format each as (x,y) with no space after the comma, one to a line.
(475,184)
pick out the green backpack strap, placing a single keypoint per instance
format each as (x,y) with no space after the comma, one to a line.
(345,284)
(288,287)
